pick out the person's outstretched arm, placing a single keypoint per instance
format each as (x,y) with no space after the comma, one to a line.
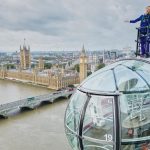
(136,20)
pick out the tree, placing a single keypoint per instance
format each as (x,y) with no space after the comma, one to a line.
(32,65)
(10,66)
(71,86)
(47,65)
(76,67)
(89,73)
(100,66)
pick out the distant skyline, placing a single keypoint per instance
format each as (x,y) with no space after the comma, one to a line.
(68,24)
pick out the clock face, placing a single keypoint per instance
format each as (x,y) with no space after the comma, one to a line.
(81,60)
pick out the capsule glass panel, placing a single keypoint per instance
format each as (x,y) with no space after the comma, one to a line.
(129,80)
(98,124)
(73,117)
(98,82)
(135,120)
(91,118)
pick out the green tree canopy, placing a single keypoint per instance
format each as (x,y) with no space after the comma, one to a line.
(10,66)
(47,65)
(101,65)
(76,67)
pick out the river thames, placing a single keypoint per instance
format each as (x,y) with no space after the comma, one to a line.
(39,129)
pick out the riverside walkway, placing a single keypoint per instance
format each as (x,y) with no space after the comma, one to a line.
(32,102)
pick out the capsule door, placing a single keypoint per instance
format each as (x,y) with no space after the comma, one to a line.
(97,123)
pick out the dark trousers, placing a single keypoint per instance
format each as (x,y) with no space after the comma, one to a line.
(145,43)
(148,44)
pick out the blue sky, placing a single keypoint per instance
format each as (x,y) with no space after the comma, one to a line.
(67,24)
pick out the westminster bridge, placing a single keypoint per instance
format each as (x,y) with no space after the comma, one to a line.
(32,102)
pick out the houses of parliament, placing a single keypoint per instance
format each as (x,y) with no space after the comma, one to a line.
(54,78)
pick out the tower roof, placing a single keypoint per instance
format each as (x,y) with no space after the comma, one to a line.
(24,45)
(83,51)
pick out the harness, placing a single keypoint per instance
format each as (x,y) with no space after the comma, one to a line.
(143,32)
(145,18)
(145,24)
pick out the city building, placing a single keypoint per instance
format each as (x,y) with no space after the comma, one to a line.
(55,78)
(41,63)
(83,65)
(51,78)
(25,57)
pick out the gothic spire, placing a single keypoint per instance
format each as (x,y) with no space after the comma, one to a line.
(24,45)
(83,50)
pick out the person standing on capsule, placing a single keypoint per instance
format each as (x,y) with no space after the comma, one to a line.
(144,31)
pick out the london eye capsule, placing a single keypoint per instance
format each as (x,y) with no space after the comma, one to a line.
(110,110)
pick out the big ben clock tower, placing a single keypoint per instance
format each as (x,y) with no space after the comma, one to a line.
(83,65)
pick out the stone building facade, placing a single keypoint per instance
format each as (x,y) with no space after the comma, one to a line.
(83,65)
(54,78)
(48,79)
(25,57)
(41,64)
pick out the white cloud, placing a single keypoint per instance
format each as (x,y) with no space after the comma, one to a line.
(67,24)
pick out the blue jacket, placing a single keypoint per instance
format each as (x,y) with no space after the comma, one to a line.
(145,20)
